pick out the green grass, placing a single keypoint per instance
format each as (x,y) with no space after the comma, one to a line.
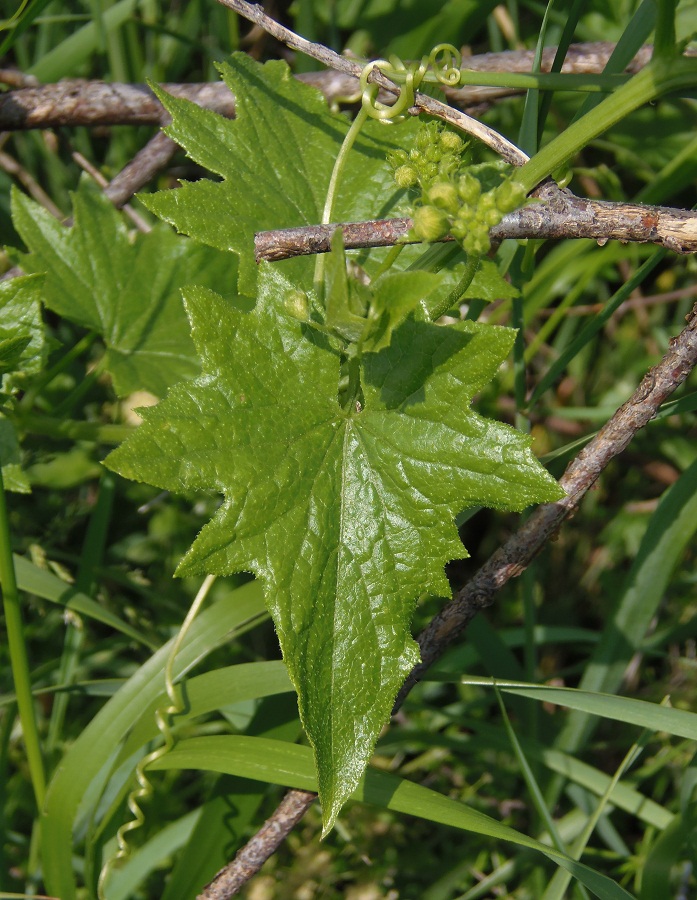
(608,608)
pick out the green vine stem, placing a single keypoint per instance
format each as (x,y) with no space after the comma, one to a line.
(71,429)
(328,212)
(18,655)
(544,81)
(162,717)
(454,296)
(659,77)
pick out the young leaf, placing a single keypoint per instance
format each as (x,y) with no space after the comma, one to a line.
(22,339)
(22,351)
(346,516)
(126,288)
(275,159)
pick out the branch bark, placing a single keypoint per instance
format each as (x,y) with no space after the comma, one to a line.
(560,214)
(511,559)
(30,105)
(258,849)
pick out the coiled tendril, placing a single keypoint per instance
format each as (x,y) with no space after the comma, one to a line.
(444,61)
(162,719)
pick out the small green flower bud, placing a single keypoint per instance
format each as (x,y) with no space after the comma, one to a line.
(492,217)
(469,189)
(397,158)
(405,176)
(452,142)
(459,230)
(444,196)
(297,305)
(477,243)
(427,136)
(509,196)
(487,202)
(429,171)
(430,224)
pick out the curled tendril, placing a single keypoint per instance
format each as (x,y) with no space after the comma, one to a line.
(447,68)
(394,69)
(445,62)
(163,715)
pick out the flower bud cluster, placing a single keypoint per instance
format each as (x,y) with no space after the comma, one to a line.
(436,154)
(452,198)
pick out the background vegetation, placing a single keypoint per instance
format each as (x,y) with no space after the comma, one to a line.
(610,605)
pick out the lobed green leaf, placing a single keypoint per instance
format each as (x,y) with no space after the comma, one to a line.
(346,516)
(125,287)
(275,160)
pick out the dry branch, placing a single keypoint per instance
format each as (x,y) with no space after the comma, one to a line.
(511,559)
(92,103)
(256,851)
(559,215)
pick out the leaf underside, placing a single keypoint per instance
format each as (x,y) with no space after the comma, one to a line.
(346,516)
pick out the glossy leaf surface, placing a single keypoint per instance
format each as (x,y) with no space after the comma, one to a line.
(275,160)
(346,515)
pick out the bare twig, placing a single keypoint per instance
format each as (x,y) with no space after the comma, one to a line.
(141,169)
(422,103)
(95,174)
(10,165)
(264,843)
(560,215)
(91,103)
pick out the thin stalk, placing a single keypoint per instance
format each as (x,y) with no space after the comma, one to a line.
(543,81)
(456,294)
(339,163)
(564,41)
(664,39)
(47,377)
(527,136)
(6,723)
(18,655)
(389,259)
(560,882)
(69,428)
(83,387)
(530,780)
(91,556)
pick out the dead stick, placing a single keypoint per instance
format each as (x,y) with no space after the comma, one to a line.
(256,851)
(511,559)
(422,103)
(560,215)
(31,105)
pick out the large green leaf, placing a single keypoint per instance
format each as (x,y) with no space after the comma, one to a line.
(275,159)
(289,764)
(125,287)
(347,516)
